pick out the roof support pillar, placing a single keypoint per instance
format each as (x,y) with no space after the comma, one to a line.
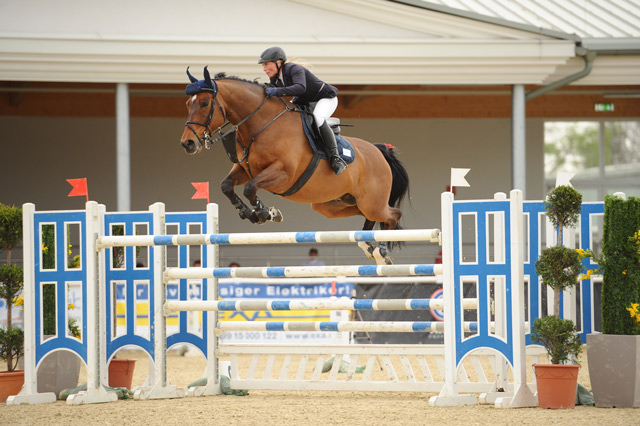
(123,148)
(518,141)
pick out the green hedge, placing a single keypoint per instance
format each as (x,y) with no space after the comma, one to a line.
(621,275)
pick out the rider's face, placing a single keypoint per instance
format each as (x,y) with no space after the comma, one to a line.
(270,69)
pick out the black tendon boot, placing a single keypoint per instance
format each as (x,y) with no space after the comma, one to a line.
(337,164)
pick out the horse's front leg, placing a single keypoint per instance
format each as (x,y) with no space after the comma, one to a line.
(237,176)
(273,175)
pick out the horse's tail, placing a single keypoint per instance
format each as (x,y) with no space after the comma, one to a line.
(400,177)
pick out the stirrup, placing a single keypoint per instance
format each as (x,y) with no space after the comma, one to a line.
(337,164)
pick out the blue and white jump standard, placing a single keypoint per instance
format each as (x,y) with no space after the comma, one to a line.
(495,267)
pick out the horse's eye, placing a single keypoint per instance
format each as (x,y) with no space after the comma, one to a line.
(204,103)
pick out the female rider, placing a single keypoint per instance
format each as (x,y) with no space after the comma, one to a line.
(291,79)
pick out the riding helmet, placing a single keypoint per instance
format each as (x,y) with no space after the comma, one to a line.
(273,54)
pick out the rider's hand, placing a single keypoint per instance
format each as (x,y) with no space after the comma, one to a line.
(271,91)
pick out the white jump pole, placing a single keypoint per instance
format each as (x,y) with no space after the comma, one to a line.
(449,395)
(97,374)
(500,364)
(161,389)
(213,371)
(522,395)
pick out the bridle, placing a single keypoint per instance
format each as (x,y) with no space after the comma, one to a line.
(206,140)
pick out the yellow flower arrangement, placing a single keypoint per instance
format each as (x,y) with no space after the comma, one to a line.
(73,324)
(587,273)
(18,302)
(634,313)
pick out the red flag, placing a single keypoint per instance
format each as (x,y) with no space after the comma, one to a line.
(202,190)
(79,187)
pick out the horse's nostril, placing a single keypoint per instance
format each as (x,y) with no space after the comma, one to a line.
(189,144)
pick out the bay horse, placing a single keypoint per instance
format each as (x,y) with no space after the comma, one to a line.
(265,139)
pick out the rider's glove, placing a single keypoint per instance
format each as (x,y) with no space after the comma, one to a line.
(271,91)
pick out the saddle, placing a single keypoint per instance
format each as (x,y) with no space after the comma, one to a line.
(345,149)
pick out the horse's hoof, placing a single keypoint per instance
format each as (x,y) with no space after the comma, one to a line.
(367,249)
(260,217)
(275,215)
(379,257)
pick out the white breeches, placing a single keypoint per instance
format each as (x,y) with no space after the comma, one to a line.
(324,108)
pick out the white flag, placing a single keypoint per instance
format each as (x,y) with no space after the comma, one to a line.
(457,177)
(563,178)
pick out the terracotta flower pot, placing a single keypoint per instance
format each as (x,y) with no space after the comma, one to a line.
(557,385)
(10,383)
(121,372)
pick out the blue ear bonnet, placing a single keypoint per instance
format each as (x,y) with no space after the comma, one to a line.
(197,86)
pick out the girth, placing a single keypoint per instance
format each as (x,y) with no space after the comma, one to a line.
(304,177)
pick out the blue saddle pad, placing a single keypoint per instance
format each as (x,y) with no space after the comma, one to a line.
(345,149)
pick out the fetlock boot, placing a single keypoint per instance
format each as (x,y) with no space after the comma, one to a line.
(329,139)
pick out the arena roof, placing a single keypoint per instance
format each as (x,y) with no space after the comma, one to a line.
(347,41)
(585,18)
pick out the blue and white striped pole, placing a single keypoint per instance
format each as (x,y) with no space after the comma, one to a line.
(311,305)
(304,271)
(348,326)
(432,235)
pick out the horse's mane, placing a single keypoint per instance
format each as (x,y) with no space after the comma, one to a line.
(223,76)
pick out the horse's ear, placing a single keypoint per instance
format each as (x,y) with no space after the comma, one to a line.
(192,78)
(207,77)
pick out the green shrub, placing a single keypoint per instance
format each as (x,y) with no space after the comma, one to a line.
(559,267)
(10,228)
(563,206)
(620,263)
(11,283)
(11,346)
(558,336)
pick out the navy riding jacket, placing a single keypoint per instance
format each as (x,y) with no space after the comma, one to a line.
(301,83)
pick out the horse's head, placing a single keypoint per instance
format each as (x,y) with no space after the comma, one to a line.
(201,106)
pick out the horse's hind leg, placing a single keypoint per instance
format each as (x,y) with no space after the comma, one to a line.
(377,252)
(375,209)
(332,209)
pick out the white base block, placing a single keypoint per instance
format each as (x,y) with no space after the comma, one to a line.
(524,398)
(491,397)
(453,401)
(204,390)
(159,392)
(93,396)
(36,398)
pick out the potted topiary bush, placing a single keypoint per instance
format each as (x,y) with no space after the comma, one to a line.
(614,355)
(559,267)
(11,284)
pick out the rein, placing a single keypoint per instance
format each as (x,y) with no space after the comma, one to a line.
(229,138)
(245,150)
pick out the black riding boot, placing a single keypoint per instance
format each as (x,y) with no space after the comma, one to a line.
(329,140)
